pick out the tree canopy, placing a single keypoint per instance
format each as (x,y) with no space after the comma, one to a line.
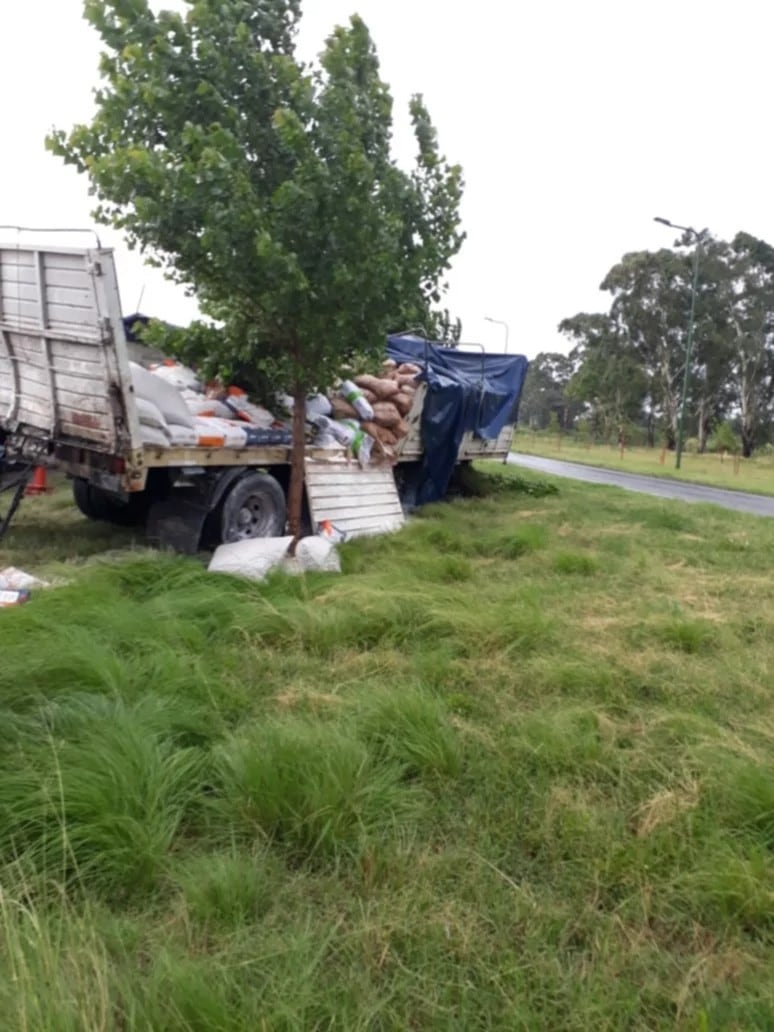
(545,391)
(629,362)
(266,186)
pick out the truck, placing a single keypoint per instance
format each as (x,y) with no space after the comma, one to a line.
(67,399)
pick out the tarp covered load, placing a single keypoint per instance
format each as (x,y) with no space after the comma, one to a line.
(466,391)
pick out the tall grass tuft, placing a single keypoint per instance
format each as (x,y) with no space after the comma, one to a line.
(312,788)
(410,727)
(55,969)
(229,887)
(100,795)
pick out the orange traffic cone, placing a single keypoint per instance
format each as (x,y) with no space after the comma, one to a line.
(38,484)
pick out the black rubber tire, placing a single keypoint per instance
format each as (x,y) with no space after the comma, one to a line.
(86,501)
(254,508)
(98,505)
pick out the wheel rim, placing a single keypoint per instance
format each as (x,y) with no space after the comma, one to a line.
(251,520)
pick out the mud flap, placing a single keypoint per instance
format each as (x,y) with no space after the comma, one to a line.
(176,522)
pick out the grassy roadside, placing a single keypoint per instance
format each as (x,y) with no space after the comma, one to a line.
(755,475)
(49,536)
(513,769)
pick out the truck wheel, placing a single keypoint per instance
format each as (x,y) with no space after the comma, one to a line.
(85,500)
(253,508)
(96,504)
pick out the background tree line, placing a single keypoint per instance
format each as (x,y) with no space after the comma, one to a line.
(624,372)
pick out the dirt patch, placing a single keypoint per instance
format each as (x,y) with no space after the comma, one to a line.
(664,807)
(291,698)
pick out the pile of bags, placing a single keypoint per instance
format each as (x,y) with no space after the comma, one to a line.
(365,415)
(175,411)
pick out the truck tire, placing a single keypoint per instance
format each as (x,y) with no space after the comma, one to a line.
(98,505)
(85,500)
(253,508)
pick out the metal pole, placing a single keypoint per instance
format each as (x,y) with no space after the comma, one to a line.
(688,350)
(500,322)
(689,344)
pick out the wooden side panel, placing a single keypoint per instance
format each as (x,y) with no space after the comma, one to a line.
(358,501)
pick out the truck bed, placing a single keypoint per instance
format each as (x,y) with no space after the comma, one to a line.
(66,386)
(65,381)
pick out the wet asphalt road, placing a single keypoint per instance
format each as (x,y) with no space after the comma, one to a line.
(758,505)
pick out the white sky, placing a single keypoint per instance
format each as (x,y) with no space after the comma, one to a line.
(576,121)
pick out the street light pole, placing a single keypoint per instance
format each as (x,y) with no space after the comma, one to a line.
(691,324)
(688,350)
(500,322)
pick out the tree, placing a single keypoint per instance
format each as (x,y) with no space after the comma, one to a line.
(651,299)
(634,356)
(750,300)
(608,375)
(445,330)
(553,426)
(708,379)
(725,439)
(545,392)
(267,187)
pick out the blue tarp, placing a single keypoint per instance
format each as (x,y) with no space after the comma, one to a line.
(129,322)
(465,391)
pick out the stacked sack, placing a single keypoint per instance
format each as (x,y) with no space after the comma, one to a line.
(176,411)
(368,413)
(165,420)
(365,415)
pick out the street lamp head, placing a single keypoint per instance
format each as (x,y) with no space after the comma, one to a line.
(674,225)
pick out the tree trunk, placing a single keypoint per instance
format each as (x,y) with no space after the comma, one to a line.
(748,442)
(703,431)
(749,425)
(296,489)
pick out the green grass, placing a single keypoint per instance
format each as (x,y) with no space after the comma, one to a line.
(513,769)
(755,474)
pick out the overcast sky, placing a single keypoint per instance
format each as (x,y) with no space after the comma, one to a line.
(576,121)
